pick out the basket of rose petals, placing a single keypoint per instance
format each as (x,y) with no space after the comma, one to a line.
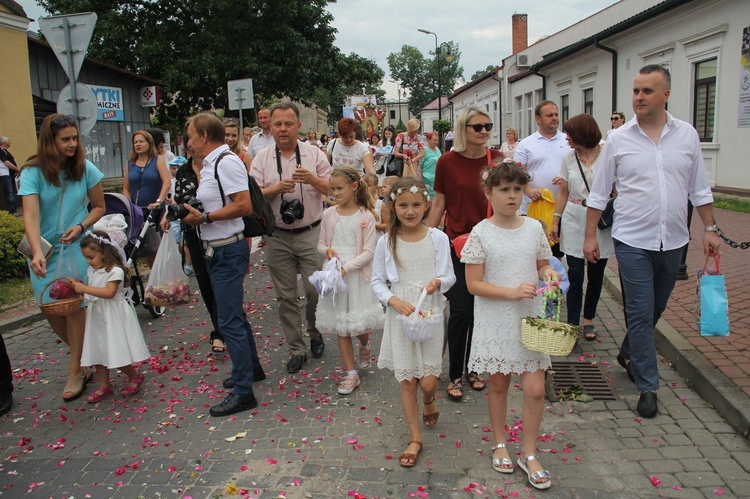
(422,324)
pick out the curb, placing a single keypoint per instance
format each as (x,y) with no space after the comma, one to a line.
(711,384)
(11,325)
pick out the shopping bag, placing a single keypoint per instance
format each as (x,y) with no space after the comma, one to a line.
(167,284)
(328,281)
(543,209)
(66,269)
(423,323)
(711,306)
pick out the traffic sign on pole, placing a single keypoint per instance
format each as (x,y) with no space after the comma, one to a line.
(69,36)
(82,106)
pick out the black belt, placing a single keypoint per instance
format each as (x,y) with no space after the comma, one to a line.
(299,230)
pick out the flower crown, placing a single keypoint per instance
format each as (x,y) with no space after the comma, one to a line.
(413,189)
(112,243)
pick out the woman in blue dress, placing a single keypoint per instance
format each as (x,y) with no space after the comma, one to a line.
(55,185)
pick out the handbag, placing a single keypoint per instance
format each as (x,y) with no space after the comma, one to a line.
(459,241)
(25,248)
(608,215)
(711,306)
(395,166)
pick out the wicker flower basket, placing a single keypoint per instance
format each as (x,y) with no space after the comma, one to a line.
(59,308)
(549,336)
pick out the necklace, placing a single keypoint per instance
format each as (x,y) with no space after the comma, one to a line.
(591,160)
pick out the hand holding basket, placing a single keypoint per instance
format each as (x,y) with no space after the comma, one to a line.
(551,337)
(422,324)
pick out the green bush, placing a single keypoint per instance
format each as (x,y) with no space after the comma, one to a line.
(12,264)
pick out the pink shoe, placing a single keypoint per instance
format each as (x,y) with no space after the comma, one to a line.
(133,386)
(100,394)
(348,385)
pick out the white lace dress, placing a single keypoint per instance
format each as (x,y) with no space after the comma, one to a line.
(113,336)
(406,358)
(509,258)
(358,310)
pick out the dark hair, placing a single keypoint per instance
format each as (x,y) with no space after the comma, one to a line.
(394,224)
(158,136)
(48,157)
(347,126)
(583,130)
(538,108)
(374,136)
(110,256)
(324,138)
(507,171)
(393,136)
(284,106)
(655,68)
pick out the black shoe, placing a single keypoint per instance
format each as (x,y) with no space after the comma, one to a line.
(682,274)
(258,375)
(317,347)
(626,366)
(296,363)
(6,403)
(647,405)
(232,405)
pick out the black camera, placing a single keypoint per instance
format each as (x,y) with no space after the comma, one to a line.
(178,212)
(292,210)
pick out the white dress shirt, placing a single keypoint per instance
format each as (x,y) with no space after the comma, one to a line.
(654,183)
(541,158)
(260,141)
(233,176)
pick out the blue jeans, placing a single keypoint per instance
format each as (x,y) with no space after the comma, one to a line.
(647,279)
(227,268)
(10,200)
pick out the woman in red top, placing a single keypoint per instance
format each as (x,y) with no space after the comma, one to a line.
(459,196)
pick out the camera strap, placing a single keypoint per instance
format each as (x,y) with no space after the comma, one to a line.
(278,168)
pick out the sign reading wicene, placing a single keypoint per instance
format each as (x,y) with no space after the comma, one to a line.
(109,103)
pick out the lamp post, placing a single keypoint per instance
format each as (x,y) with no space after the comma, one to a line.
(448,59)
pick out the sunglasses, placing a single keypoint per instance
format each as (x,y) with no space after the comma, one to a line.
(478,126)
(64,120)
(615,118)
(230,120)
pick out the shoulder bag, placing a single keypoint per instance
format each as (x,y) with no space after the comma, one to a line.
(608,214)
(25,248)
(395,166)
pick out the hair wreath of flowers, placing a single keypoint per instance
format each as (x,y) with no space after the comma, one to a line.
(413,189)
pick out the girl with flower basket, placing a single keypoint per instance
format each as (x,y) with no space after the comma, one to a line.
(505,256)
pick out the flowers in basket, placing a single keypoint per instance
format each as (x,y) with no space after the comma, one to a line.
(547,336)
(422,324)
(62,289)
(174,293)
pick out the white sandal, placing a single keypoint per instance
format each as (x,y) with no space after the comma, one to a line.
(499,462)
(534,478)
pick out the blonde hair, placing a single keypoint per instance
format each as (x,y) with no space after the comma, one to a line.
(362,194)
(403,185)
(459,141)
(413,124)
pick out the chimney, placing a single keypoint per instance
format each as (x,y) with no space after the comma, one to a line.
(520,32)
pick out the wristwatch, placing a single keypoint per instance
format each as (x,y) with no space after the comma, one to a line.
(205,219)
(711,228)
(83,227)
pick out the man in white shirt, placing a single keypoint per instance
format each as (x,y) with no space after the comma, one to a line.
(293,175)
(263,139)
(656,164)
(226,199)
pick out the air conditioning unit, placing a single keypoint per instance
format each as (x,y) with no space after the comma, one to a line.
(523,60)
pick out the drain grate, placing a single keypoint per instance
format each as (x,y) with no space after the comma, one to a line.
(593,378)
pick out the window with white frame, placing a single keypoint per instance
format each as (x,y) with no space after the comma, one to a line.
(519,115)
(704,99)
(529,113)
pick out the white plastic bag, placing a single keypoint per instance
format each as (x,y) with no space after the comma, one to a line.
(422,324)
(116,228)
(328,281)
(167,284)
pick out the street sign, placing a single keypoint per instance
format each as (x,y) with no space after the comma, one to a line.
(69,36)
(87,108)
(240,94)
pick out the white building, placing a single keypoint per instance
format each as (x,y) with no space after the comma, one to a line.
(429,114)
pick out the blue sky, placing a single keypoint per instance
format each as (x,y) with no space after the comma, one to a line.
(482,28)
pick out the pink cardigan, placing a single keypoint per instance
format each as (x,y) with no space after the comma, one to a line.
(365,240)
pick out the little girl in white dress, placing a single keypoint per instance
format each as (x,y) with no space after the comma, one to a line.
(113,336)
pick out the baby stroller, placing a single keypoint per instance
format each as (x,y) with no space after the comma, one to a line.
(137,228)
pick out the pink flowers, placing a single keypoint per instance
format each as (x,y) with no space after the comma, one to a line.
(174,293)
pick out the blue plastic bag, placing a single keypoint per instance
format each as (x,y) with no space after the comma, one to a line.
(711,307)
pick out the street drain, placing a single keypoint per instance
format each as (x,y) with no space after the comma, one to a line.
(593,378)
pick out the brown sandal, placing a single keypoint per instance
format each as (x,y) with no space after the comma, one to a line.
(430,420)
(409,459)
(476,382)
(456,389)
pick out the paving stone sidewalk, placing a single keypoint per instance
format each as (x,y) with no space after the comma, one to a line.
(306,441)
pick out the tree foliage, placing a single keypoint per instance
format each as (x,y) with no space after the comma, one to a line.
(419,73)
(194,48)
(484,71)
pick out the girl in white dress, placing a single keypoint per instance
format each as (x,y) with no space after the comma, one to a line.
(113,336)
(348,233)
(506,256)
(412,257)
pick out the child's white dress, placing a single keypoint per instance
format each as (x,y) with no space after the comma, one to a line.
(509,258)
(357,311)
(406,358)
(378,209)
(113,336)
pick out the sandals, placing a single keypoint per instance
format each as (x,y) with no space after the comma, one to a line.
(589,333)
(476,382)
(100,394)
(456,389)
(409,459)
(430,420)
(76,384)
(536,477)
(133,386)
(218,348)
(499,462)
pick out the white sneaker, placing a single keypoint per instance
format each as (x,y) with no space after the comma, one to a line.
(365,356)
(348,384)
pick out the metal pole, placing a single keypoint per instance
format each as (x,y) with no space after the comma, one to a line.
(71,72)
(240,99)
(440,101)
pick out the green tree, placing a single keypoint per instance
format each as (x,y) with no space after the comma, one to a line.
(419,73)
(484,71)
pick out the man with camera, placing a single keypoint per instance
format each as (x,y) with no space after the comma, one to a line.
(227,254)
(293,175)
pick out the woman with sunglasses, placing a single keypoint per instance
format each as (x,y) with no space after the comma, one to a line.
(232,139)
(459,196)
(55,184)
(617,119)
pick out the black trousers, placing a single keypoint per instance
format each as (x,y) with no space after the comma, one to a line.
(576,270)
(6,373)
(195,248)
(461,321)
